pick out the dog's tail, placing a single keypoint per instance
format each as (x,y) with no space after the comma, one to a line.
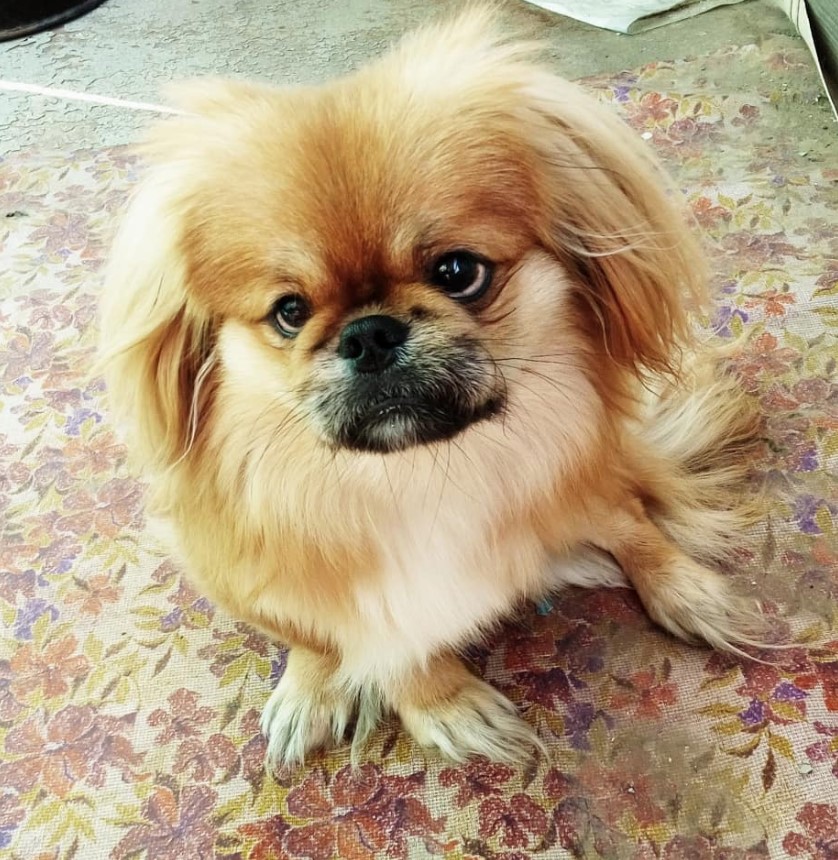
(690,451)
(701,435)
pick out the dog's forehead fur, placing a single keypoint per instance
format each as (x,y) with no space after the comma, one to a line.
(350,190)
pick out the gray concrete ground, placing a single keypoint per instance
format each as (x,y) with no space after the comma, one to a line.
(129,48)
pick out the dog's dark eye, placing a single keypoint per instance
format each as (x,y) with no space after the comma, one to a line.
(290,314)
(462,275)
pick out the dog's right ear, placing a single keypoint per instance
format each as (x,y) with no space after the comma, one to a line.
(154,341)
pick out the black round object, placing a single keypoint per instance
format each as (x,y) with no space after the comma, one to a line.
(23,17)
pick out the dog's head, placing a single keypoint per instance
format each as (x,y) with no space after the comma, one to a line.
(393,258)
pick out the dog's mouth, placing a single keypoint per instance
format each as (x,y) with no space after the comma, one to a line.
(396,423)
(430,395)
(392,406)
(387,421)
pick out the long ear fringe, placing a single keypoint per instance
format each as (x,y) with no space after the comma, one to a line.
(621,227)
(153,340)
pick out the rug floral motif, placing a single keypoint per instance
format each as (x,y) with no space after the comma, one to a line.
(129,705)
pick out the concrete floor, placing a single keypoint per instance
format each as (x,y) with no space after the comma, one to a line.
(129,48)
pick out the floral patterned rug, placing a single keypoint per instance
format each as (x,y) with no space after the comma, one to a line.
(129,706)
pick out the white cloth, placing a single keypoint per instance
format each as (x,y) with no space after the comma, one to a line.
(630,16)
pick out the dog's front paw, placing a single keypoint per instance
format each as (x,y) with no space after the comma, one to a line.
(473,719)
(307,710)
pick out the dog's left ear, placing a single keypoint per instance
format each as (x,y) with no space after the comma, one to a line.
(618,226)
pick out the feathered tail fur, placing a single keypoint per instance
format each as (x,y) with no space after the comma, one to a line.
(702,433)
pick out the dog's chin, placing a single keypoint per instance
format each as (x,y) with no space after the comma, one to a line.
(396,424)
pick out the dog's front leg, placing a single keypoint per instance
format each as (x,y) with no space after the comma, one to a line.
(310,708)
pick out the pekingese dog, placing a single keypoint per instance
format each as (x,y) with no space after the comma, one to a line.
(401,351)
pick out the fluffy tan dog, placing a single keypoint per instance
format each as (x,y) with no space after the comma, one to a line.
(401,351)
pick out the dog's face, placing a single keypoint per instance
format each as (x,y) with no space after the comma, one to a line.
(395,258)
(374,266)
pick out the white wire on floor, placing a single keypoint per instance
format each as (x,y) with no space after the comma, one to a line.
(73,95)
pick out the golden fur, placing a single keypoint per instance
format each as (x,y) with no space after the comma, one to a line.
(376,568)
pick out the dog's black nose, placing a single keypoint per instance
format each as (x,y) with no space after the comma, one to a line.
(371,343)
